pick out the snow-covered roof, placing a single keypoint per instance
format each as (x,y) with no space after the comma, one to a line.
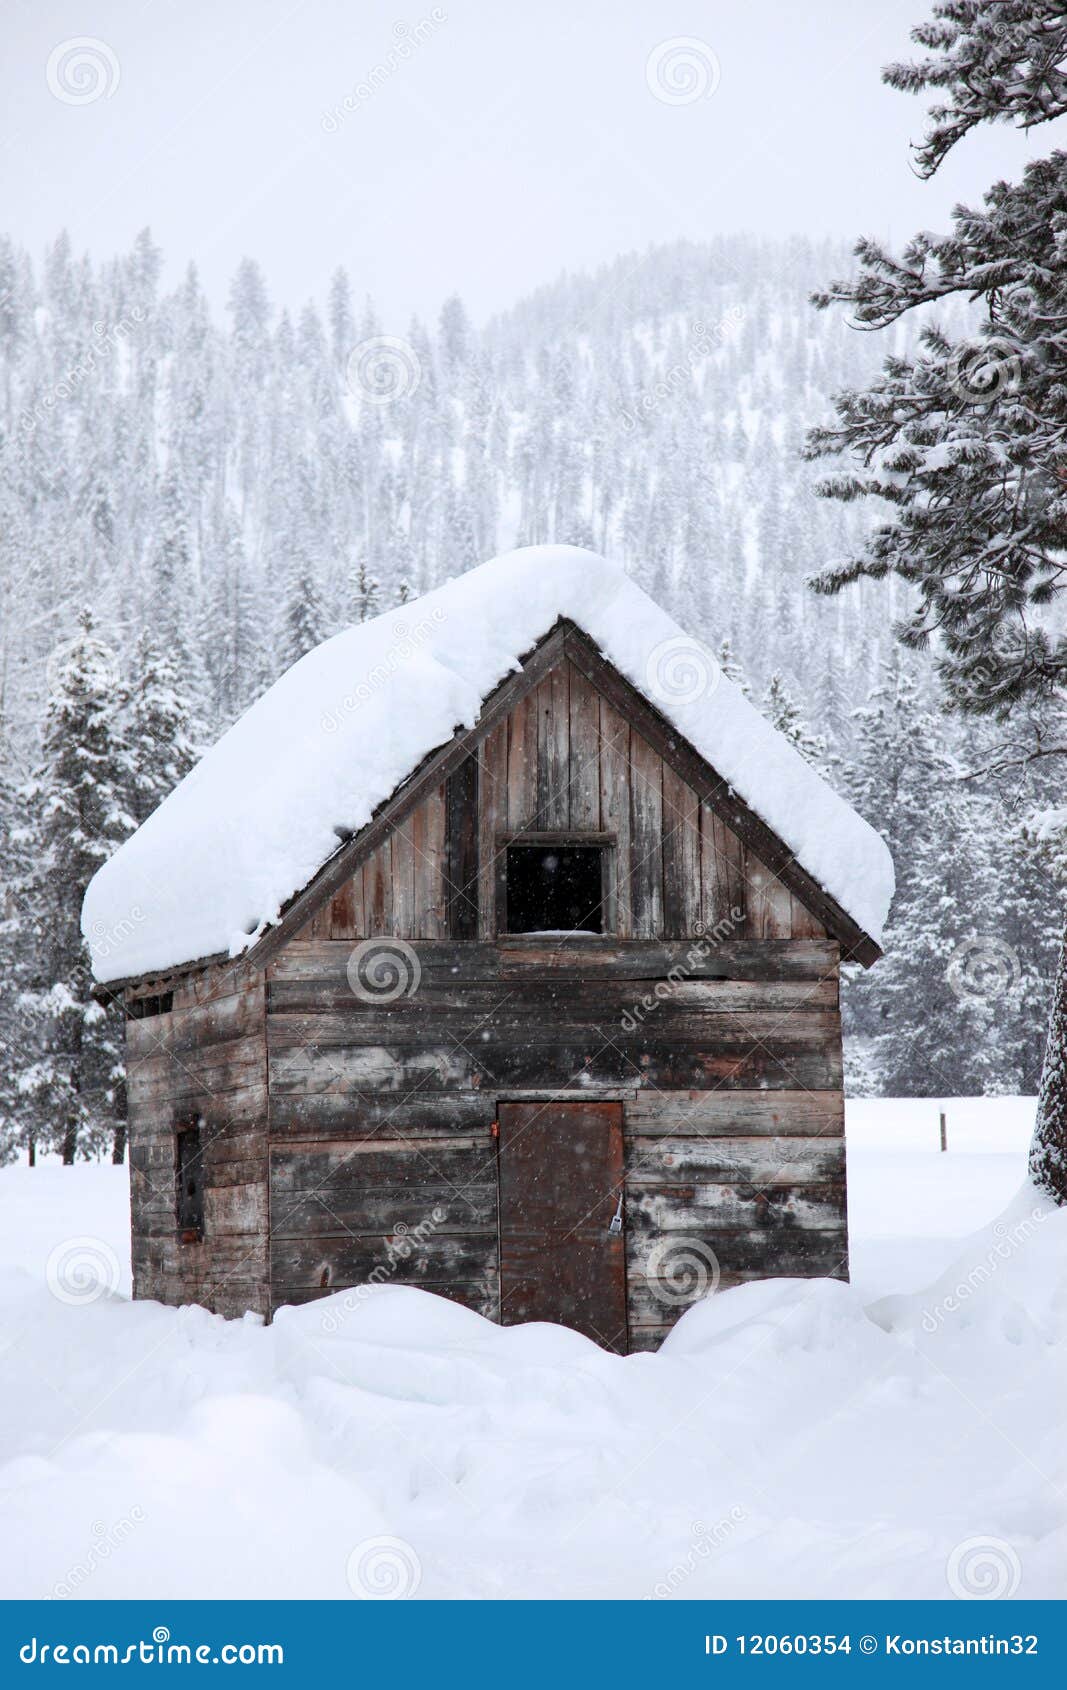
(312,759)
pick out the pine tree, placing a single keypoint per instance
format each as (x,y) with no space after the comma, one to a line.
(365,592)
(967,440)
(303,621)
(782,710)
(158,742)
(1048,1152)
(731,667)
(71,1078)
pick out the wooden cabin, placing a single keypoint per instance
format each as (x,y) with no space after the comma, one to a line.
(555,1033)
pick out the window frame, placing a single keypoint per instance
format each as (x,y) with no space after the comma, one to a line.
(606,843)
(188,1216)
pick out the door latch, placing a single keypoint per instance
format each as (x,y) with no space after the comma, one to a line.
(615,1224)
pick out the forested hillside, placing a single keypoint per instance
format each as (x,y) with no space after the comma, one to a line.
(220,491)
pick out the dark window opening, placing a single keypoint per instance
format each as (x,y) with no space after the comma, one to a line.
(190,1175)
(555,889)
(138,1008)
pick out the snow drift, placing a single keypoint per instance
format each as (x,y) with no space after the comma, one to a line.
(787,1440)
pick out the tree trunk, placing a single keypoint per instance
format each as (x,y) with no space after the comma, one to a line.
(118,1144)
(31,1152)
(1048,1152)
(70,1144)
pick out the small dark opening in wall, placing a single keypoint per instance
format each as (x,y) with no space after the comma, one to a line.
(555,889)
(161,1004)
(190,1193)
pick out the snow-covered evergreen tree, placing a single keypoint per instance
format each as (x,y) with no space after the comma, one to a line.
(965,438)
(71,1074)
(158,747)
(366,592)
(779,707)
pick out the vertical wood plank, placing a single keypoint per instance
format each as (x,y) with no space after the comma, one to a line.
(553,737)
(584,751)
(804,925)
(346,908)
(681,858)
(722,876)
(428,840)
(320,922)
(615,807)
(646,839)
(492,811)
(461,850)
(770,913)
(522,765)
(404,880)
(378,890)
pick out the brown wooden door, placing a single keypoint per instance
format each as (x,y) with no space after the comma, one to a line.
(560,1179)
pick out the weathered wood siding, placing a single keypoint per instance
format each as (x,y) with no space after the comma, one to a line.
(202,1064)
(565,760)
(726,1057)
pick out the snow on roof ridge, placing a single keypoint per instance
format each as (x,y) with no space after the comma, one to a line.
(340,730)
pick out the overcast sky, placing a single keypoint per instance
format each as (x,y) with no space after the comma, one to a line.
(514,138)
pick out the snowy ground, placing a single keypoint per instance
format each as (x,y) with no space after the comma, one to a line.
(901,1436)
